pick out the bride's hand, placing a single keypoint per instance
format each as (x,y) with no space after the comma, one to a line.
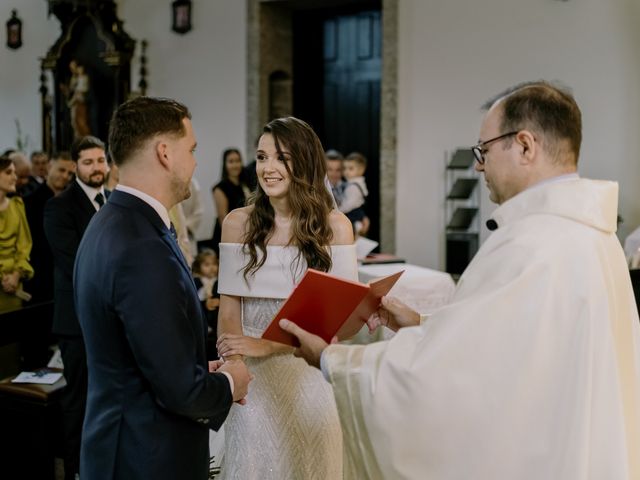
(232,344)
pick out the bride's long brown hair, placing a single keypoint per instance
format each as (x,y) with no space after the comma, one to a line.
(309,200)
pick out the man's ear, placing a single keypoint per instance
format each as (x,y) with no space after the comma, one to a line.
(526,143)
(162,153)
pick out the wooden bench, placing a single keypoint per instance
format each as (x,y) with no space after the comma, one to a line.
(29,413)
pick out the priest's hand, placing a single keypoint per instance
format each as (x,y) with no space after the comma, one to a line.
(393,314)
(311,346)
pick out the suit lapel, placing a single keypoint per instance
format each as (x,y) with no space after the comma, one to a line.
(168,239)
(83,201)
(127,200)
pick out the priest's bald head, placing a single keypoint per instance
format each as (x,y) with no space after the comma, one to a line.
(530,133)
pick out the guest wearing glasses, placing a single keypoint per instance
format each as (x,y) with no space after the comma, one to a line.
(533,370)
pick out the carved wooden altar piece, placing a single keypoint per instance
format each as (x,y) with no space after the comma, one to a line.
(85,74)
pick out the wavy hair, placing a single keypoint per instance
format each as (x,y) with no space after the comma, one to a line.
(309,200)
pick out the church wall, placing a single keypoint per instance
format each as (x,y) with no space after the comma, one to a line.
(454,55)
(20,72)
(205,69)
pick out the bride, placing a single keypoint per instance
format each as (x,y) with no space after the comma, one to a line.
(289,428)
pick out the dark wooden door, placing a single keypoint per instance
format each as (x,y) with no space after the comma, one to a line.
(337,72)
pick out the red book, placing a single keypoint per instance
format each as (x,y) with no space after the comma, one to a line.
(328,306)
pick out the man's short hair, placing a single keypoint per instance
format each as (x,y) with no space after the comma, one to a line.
(84,143)
(38,153)
(332,154)
(357,157)
(544,108)
(63,155)
(138,120)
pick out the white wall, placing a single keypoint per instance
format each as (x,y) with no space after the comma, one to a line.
(20,71)
(454,55)
(205,69)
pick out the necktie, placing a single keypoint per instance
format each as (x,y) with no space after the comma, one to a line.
(174,234)
(99,198)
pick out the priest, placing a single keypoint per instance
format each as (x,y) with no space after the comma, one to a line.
(533,370)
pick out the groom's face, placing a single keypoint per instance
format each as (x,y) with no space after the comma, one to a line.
(181,150)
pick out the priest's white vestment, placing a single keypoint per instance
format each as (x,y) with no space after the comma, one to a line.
(532,372)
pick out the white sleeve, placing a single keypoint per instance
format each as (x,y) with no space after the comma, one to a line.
(352,198)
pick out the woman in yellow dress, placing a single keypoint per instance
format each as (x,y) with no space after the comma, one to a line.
(15,241)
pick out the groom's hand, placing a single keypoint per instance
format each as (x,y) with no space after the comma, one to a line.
(311,346)
(241,378)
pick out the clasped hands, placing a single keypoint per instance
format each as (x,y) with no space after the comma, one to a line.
(240,374)
(391,313)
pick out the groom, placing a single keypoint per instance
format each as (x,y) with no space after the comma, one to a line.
(151,398)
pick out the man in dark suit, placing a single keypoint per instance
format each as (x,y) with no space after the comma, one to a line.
(35,350)
(61,170)
(66,217)
(152,396)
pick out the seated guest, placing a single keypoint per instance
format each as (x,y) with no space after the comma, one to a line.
(25,183)
(60,172)
(15,240)
(36,348)
(39,166)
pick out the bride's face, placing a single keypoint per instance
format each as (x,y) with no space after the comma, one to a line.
(270,167)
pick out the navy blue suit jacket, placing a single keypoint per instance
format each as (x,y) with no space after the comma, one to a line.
(66,217)
(151,398)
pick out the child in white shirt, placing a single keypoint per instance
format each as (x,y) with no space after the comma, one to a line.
(355,191)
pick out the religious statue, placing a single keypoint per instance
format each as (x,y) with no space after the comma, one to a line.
(76,93)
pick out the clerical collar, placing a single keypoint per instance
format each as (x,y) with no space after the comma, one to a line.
(492,224)
(558,179)
(149,200)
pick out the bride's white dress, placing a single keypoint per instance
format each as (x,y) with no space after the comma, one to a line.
(289,428)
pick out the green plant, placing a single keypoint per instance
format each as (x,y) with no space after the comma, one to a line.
(22,142)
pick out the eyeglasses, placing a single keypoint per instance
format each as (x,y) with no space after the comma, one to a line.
(479,150)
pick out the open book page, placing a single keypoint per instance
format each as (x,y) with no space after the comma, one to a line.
(326,305)
(364,246)
(320,303)
(43,377)
(377,289)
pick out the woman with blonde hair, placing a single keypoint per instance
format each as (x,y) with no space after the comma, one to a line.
(289,427)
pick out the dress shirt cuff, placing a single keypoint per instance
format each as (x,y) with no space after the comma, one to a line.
(228,375)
